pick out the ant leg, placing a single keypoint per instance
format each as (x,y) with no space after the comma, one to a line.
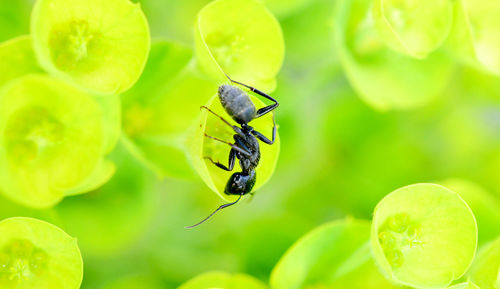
(265,109)
(239,140)
(235,128)
(235,147)
(232,158)
(221,118)
(265,139)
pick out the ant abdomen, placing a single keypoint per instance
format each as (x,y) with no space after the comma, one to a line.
(237,103)
(240,183)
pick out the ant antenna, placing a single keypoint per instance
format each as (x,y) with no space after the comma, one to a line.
(227,75)
(218,209)
(234,81)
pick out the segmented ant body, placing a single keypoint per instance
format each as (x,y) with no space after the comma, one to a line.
(246,146)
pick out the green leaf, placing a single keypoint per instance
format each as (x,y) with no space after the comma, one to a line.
(199,146)
(383,78)
(485,271)
(222,280)
(14,18)
(241,38)
(101,46)
(424,236)
(36,254)
(160,108)
(413,27)
(135,282)
(334,255)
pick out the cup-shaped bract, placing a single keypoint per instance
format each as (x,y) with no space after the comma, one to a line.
(423,236)
(111,128)
(482,22)
(241,38)
(101,46)
(18,59)
(485,271)
(223,280)
(466,285)
(335,255)
(110,107)
(384,78)
(459,40)
(283,8)
(161,107)
(200,147)
(37,255)
(485,207)
(413,27)
(51,139)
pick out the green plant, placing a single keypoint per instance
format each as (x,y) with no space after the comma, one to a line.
(384,78)
(162,119)
(331,256)
(223,280)
(228,39)
(18,59)
(467,285)
(484,205)
(47,125)
(475,34)
(161,106)
(485,271)
(415,28)
(125,196)
(100,45)
(424,236)
(101,134)
(36,254)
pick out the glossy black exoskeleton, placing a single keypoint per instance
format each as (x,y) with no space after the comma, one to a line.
(245,148)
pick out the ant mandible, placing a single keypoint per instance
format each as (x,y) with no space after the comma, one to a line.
(245,147)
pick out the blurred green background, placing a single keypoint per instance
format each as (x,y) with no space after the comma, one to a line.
(339,157)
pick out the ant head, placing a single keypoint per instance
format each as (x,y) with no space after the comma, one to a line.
(240,184)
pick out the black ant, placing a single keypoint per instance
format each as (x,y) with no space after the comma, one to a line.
(245,147)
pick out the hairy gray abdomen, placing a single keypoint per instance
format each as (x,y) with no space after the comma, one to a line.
(237,103)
